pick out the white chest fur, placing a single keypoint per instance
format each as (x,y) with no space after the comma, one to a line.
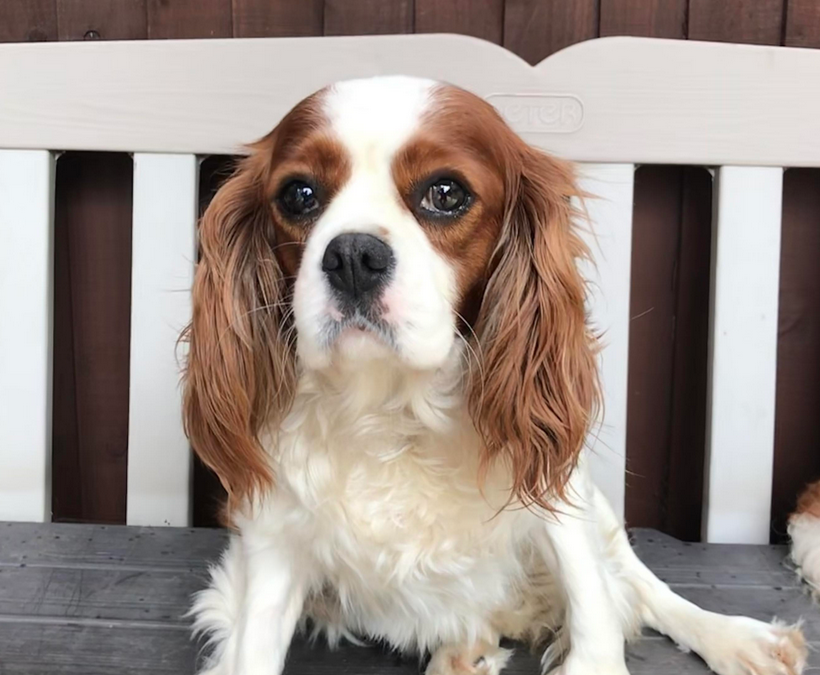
(387,513)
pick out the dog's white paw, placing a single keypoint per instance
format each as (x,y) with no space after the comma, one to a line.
(480,659)
(743,646)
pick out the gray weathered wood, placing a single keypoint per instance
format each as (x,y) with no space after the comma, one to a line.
(95,600)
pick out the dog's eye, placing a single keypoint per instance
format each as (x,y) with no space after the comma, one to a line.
(445,197)
(298,199)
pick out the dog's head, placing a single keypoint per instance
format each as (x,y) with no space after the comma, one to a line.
(385,220)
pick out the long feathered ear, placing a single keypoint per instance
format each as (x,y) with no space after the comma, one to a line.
(240,369)
(534,398)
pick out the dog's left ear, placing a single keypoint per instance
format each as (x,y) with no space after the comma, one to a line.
(535,397)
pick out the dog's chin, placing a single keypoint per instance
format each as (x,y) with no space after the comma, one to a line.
(352,343)
(362,345)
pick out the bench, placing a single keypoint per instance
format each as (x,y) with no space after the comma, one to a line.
(87,599)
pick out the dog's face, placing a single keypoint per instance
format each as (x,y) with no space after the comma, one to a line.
(382,221)
(387,206)
(369,198)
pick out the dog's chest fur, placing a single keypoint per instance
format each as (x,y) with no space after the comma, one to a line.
(389,512)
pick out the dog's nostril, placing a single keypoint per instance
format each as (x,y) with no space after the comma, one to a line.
(376,262)
(331,260)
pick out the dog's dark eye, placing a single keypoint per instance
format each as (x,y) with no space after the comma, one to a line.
(445,197)
(298,199)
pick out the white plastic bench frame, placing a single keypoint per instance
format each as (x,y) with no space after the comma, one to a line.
(610,103)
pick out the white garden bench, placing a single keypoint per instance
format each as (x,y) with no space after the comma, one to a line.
(744,112)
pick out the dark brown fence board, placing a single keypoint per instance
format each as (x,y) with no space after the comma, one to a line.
(277,18)
(655,238)
(479,18)
(797,422)
(748,21)
(687,438)
(647,18)
(101,19)
(803,23)
(368,17)
(189,19)
(28,20)
(534,29)
(93,222)
(67,496)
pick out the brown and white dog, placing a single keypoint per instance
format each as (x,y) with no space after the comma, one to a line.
(804,530)
(391,371)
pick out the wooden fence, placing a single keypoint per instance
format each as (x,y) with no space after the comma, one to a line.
(671,240)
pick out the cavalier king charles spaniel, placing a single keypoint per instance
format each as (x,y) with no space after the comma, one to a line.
(391,371)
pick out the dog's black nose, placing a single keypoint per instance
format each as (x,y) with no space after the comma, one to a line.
(357,264)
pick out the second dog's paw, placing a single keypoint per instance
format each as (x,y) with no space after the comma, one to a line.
(749,647)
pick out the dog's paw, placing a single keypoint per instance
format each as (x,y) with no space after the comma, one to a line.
(745,646)
(480,659)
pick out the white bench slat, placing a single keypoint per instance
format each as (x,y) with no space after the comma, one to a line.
(164,250)
(26,301)
(743,354)
(610,242)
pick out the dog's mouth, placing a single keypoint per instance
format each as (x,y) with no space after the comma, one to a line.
(356,325)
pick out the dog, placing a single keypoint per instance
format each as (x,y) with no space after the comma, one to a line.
(804,530)
(390,369)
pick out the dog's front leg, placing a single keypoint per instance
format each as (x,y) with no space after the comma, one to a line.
(251,607)
(273,599)
(592,627)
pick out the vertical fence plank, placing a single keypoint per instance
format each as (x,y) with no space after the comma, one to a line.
(101,19)
(26,260)
(479,18)
(91,332)
(645,18)
(189,19)
(797,423)
(655,248)
(159,459)
(668,339)
(67,498)
(743,355)
(277,18)
(610,242)
(28,20)
(368,17)
(802,24)
(534,29)
(684,491)
(750,21)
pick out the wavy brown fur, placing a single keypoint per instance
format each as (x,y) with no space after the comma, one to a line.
(537,393)
(241,370)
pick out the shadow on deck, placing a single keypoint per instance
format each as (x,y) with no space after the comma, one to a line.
(97,600)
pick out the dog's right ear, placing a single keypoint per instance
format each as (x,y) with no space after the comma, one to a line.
(240,371)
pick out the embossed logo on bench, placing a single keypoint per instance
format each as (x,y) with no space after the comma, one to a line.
(540,114)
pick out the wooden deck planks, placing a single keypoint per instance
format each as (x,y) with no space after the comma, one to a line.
(93,600)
